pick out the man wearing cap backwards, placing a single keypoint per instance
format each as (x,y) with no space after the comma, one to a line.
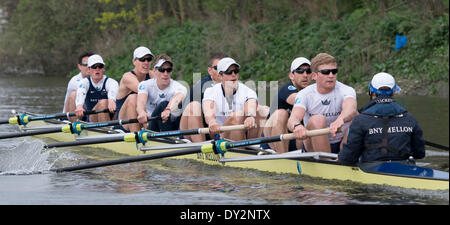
(327,103)
(96,92)
(232,103)
(72,86)
(281,107)
(161,96)
(383,130)
(128,88)
(192,117)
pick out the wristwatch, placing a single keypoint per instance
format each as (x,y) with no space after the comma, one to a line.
(249,115)
(296,124)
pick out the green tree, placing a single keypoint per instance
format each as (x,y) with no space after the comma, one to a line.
(52,32)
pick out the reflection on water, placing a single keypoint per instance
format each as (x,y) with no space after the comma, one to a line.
(173,181)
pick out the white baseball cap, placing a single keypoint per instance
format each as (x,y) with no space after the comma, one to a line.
(298,62)
(161,62)
(94,59)
(225,63)
(141,51)
(383,80)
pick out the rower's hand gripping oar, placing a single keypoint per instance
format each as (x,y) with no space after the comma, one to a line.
(217,148)
(74,128)
(24,119)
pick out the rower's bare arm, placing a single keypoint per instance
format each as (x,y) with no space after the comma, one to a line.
(251,106)
(175,101)
(347,114)
(291,99)
(297,115)
(140,108)
(209,110)
(349,110)
(130,82)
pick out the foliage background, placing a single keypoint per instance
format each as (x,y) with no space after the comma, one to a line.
(264,36)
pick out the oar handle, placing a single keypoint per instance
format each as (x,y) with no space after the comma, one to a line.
(309,133)
(223,129)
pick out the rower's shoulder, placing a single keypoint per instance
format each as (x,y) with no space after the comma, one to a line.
(128,75)
(310,89)
(342,86)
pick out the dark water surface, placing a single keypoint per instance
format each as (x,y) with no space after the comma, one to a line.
(179,182)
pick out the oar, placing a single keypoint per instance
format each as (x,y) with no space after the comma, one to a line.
(139,137)
(25,119)
(442,147)
(74,128)
(219,147)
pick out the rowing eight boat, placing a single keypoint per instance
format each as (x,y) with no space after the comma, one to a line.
(311,164)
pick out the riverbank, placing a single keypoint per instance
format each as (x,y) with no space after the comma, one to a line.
(263,37)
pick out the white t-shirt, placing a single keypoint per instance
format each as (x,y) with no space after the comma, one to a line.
(329,105)
(156,95)
(72,86)
(223,109)
(111,86)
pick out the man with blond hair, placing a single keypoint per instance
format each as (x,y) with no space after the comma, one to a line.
(327,103)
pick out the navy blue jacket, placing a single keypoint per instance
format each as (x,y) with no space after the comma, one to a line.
(367,139)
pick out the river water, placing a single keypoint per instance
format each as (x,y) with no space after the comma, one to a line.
(23,179)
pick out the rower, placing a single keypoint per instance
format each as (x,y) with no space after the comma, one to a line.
(232,103)
(96,92)
(128,87)
(327,103)
(281,107)
(192,117)
(161,96)
(383,130)
(72,86)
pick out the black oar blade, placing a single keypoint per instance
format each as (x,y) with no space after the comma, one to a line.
(129,160)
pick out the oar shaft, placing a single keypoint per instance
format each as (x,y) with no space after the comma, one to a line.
(129,160)
(84,142)
(70,114)
(30,133)
(436,145)
(18,119)
(193,131)
(283,137)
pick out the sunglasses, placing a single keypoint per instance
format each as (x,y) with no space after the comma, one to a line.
(301,70)
(83,64)
(213,67)
(327,72)
(99,66)
(143,59)
(162,70)
(229,72)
